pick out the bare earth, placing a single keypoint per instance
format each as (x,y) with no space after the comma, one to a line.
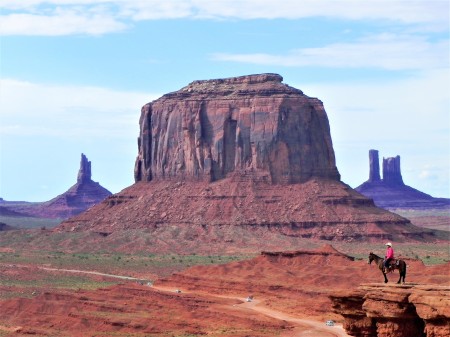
(290,299)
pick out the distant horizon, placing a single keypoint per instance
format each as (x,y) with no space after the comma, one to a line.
(381,176)
(76,73)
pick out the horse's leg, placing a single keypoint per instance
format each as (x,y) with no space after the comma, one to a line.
(385,278)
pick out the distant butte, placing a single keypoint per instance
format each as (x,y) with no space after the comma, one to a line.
(238,163)
(391,192)
(84,194)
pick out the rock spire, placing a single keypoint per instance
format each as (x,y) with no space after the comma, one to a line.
(84,174)
(391,171)
(391,192)
(78,198)
(374,166)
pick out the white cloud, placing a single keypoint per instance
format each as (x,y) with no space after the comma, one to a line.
(60,22)
(34,109)
(384,51)
(428,173)
(30,17)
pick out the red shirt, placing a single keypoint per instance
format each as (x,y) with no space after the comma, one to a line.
(389,253)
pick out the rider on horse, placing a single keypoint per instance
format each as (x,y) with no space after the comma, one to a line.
(389,256)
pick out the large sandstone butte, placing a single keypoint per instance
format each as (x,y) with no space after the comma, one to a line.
(391,192)
(84,194)
(249,124)
(244,162)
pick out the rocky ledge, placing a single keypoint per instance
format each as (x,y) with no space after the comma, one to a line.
(374,310)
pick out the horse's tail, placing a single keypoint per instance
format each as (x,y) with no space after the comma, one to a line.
(404,272)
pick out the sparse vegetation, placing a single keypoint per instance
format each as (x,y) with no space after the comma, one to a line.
(114,262)
(30,222)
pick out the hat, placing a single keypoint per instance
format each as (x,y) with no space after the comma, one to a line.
(388,244)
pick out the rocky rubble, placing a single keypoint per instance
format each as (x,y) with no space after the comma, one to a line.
(234,214)
(374,310)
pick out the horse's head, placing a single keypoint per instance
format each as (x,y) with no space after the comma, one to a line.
(371,258)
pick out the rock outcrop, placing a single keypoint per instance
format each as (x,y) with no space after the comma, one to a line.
(253,124)
(374,310)
(81,196)
(84,173)
(374,162)
(392,175)
(245,158)
(391,192)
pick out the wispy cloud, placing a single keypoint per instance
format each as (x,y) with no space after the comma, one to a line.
(34,109)
(65,17)
(60,21)
(385,51)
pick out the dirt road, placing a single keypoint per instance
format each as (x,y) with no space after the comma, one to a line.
(310,328)
(306,327)
(92,273)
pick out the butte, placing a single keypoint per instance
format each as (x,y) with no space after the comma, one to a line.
(241,163)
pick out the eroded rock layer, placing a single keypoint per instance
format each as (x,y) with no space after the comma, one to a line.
(374,310)
(243,214)
(251,123)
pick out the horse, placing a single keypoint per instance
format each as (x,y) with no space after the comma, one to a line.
(398,264)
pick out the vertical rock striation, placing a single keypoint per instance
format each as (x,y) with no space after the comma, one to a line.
(374,166)
(84,173)
(253,124)
(391,171)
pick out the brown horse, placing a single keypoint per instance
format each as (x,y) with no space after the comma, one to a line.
(395,264)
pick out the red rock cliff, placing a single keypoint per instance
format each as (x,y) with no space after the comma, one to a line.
(374,310)
(250,123)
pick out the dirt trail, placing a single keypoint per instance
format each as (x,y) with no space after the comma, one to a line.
(92,273)
(314,328)
(306,327)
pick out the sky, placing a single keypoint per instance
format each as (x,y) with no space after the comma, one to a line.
(74,75)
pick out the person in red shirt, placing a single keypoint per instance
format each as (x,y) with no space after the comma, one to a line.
(389,255)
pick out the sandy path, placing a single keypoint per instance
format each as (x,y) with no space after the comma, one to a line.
(313,328)
(307,327)
(92,273)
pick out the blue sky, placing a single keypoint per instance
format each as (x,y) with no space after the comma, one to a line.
(75,73)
